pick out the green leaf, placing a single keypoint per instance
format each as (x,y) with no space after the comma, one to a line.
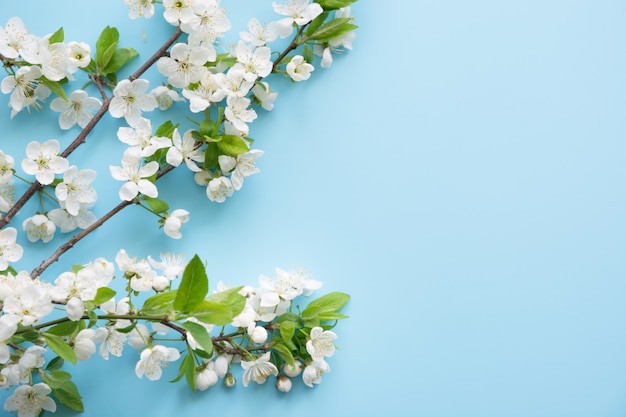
(159,303)
(105,46)
(55,87)
(334,4)
(57,378)
(200,334)
(287,330)
(316,23)
(333,29)
(208,128)
(213,313)
(93,318)
(157,205)
(103,294)
(120,57)
(68,395)
(57,36)
(55,363)
(231,298)
(193,287)
(329,303)
(190,369)
(284,352)
(30,336)
(307,53)
(183,367)
(60,347)
(233,145)
(211,155)
(165,130)
(332,316)
(64,329)
(129,328)
(91,68)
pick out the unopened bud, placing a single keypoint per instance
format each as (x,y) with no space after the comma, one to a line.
(283,384)
(292,371)
(229,380)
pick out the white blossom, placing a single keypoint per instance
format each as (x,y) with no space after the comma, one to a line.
(298,69)
(68,222)
(172,265)
(177,10)
(78,109)
(76,189)
(256,61)
(313,372)
(9,250)
(259,34)
(238,112)
(320,343)
(50,57)
(140,8)
(299,12)
(283,384)
(185,65)
(25,88)
(165,97)
(174,222)
(205,23)
(240,167)
(264,95)
(39,227)
(258,370)
(84,344)
(218,189)
(153,359)
(14,37)
(184,150)
(130,99)
(135,174)
(139,135)
(43,161)
(208,91)
(78,54)
(29,401)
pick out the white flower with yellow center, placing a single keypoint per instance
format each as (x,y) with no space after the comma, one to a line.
(76,189)
(43,161)
(320,343)
(135,175)
(78,109)
(29,401)
(258,370)
(152,360)
(130,99)
(298,69)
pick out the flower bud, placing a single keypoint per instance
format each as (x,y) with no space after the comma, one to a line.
(293,371)
(229,380)
(283,384)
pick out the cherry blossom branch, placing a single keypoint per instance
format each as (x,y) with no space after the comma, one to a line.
(81,138)
(79,236)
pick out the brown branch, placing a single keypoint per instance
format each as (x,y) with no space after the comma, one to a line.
(81,138)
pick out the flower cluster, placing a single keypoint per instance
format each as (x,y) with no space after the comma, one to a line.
(47,321)
(258,330)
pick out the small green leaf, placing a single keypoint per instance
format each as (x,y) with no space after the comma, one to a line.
(284,352)
(231,298)
(63,329)
(57,378)
(120,57)
(60,347)
(332,316)
(190,369)
(57,36)
(105,46)
(287,330)
(307,53)
(128,329)
(157,205)
(316,23)
(213,313)
(93,318)
(334,4)
(159,303)
(329,303)
(103,294)
(207,128)
(55,363)
(193,287)
(30,336)
(211,155)
(55,86)
(233,145)
(200,334)
(333,29)
(183,367)
(166,130)
(68,395)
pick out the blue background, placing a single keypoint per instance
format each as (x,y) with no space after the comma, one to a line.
(460,173)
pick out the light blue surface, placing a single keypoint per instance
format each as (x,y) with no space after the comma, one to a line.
(461,174)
